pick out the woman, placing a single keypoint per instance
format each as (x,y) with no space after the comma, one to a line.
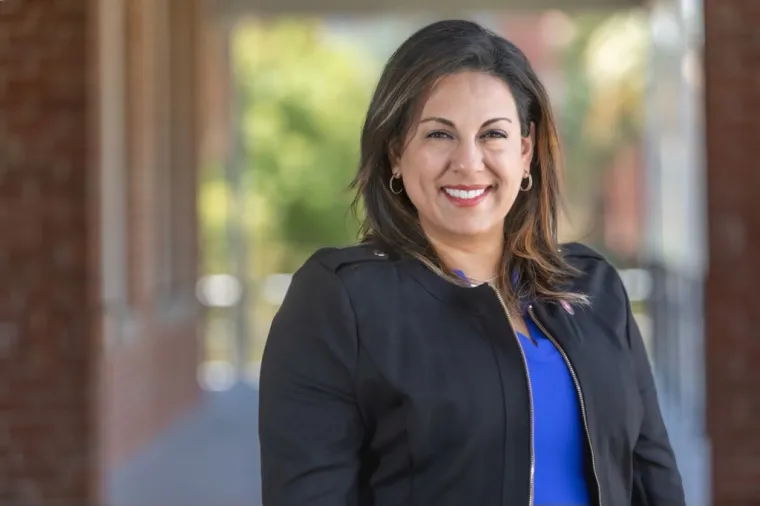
(458,356)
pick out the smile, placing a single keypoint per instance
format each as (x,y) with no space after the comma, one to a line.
(463,196)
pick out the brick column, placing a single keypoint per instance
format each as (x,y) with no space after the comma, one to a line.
(46,342)
(732,306)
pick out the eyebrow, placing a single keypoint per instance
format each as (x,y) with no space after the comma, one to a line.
(450,123)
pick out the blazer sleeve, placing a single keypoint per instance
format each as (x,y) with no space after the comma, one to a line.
(657,478)
(310,427)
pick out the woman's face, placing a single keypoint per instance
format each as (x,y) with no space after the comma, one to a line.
(464,161)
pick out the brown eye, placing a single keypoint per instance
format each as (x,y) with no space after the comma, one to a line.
(438,135)
(495,134)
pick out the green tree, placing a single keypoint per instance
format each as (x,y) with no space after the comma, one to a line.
(303,98)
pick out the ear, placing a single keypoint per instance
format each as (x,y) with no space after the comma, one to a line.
(527,144)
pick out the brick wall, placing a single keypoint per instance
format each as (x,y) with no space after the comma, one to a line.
(82,386)
(47,350)
(732,69)
(149,363)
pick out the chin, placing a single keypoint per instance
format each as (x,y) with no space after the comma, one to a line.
(472,230)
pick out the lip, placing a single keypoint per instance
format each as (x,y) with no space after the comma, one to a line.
(466,202)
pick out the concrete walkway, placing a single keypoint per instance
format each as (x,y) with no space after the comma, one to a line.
(210,458)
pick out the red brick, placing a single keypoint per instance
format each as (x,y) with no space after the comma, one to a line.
(732,308)
(45,427)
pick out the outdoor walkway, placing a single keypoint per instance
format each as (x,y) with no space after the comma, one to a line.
(210,458)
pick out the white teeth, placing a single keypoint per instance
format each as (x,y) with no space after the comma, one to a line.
(465,194)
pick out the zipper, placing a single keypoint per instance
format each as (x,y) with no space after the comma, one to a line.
(581,400)
(530,394)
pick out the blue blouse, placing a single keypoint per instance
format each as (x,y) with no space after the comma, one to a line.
(559,436)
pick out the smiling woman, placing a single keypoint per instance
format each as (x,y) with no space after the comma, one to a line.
(476,121)
(459,355)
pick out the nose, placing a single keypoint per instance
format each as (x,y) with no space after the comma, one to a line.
(468,157)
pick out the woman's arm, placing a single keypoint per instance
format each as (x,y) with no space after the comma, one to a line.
(310,427)
(656,473)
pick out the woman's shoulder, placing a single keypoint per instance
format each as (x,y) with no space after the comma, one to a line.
(597,276)
(580,251)
(348,278)
(336,259)
(354,265)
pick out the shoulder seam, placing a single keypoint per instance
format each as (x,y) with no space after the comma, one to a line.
(334,258)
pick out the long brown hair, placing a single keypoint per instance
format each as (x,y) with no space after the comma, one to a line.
(532,266)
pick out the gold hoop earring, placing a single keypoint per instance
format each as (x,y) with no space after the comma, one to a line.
(390,185)
(529,177)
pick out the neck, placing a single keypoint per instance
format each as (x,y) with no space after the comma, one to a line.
(478,258)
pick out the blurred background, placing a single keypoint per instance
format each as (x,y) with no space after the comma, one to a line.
(166,165)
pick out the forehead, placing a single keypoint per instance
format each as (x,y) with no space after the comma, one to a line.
(474,94)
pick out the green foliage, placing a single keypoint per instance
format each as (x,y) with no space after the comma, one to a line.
(602,109)
(303,100)
(582,159)
(212,215)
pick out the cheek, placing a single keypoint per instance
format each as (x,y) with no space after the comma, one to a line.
(507,164)
(421,171)
(420,188)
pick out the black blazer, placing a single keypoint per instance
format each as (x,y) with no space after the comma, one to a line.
(382,384)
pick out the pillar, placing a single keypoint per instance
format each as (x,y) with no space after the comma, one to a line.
(47,259)
(732,292)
